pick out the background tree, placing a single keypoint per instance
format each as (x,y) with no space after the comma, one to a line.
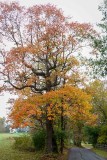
(39,53)
(98,90)
(100,44)
(4,127)
(95,134)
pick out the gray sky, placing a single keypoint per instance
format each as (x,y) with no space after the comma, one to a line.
(79,10)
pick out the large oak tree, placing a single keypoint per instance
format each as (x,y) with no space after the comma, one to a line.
(38,50)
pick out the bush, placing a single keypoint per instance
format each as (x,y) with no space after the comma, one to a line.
(102,139)
(39,139)
(24,143)
(92,134)
(60,134)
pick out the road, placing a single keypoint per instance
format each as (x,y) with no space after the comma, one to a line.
(83,154)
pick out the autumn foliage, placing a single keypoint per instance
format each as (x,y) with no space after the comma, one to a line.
(75,103)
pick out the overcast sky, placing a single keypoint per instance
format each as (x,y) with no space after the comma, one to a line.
(79,10)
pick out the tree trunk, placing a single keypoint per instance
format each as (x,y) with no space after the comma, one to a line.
(62,129)
(49,133)
(54,143)
(51,145)
(77,136)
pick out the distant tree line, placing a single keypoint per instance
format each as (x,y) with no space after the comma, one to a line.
(4,128)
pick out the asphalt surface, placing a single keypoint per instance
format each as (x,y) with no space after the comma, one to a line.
(83,154)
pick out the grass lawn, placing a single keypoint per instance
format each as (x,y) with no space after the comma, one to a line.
(100,152)
(7,152)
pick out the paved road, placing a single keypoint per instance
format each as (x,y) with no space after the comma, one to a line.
(82,154)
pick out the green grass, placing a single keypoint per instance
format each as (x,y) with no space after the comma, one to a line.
(7,152)
(101,153)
